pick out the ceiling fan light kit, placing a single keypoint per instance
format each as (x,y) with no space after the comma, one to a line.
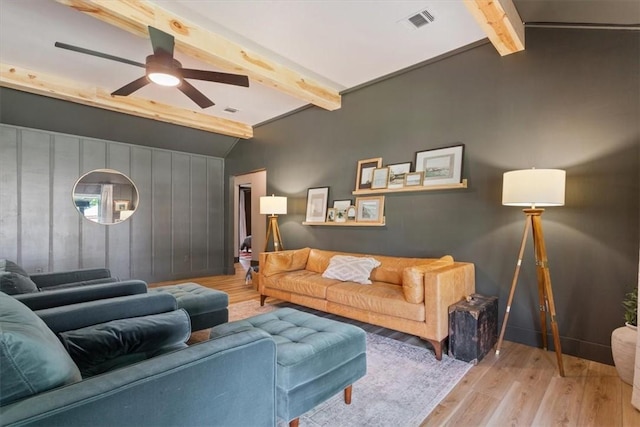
(163,70)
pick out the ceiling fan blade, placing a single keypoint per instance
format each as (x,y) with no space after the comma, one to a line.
(98,54)
(132,87)
(212,76)
(161,41)
(195,95)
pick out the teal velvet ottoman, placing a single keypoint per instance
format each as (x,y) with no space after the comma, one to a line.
(317,357)
(206,307)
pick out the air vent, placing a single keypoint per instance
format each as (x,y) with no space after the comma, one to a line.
(418,20)
(230,110)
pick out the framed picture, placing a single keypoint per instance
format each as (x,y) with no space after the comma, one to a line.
(440,166)
(341,207)
(331,215)
(351,213)
(317,204)
(370,209)
(413,179)
(120,205)
(364,175)
(380,178)
(397,172)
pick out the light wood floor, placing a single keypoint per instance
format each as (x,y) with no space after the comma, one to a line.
(521,387)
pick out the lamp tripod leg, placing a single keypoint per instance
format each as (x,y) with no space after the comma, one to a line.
(269,229)
(277,239)
(514,282)
(544,282)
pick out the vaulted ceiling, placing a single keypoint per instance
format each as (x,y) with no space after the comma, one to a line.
(295,52)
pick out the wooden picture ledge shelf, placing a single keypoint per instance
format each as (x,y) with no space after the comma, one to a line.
(417,188)
(348,224)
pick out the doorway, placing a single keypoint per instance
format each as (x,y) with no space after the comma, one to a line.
(249,227)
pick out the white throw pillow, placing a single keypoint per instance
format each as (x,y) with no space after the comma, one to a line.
(350,268)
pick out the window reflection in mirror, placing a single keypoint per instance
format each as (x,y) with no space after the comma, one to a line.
(105,196)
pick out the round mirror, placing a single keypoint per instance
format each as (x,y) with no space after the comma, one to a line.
(105,196)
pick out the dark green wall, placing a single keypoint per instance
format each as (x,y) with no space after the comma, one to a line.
(39,112)
(570,101)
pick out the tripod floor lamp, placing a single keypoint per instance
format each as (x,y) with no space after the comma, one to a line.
(535,188)
(273,206)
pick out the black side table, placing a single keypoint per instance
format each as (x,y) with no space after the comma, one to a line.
(473,327)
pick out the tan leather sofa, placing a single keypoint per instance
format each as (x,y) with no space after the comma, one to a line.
(410,295)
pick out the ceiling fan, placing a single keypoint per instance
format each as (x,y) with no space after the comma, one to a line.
(163,69)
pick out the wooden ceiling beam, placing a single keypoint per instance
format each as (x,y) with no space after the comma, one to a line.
(134,16)
(502,23)
(55,87)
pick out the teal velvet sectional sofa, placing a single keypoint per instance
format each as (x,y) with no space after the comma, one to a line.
(123,361)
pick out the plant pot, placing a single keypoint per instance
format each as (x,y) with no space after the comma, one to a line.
(623,347)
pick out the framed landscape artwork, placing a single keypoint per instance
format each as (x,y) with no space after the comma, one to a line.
(370,209)
(397,172)
(364,174)
(317,204)
(413,179)
(440,166)
(380,178)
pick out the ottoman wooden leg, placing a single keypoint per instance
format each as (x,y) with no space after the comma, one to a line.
(263,298)
(347,394)
(347,399)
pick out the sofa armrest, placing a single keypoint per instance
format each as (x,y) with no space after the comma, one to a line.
(56,298)
(443,287)
(272,263)
(76,316)
(44,280)
(228,381)
(106,346)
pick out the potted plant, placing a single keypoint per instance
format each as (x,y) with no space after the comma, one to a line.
(623,339)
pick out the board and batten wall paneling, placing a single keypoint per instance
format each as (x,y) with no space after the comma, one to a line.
(35,193)
(9,206)
(119,235)
(198,211)
(175,233)
(161,218)
(180,207)
(141,222)
(215,205)
(93,236)
(65,247)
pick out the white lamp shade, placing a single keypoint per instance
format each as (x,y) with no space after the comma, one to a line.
(533,187)
(273,205)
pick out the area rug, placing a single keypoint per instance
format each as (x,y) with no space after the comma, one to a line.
(403,384)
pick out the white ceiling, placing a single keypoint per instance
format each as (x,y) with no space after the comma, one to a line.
(341,43)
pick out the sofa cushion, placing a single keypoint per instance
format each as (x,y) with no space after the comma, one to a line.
(301,282)
(413,278)
(32,359)
(379,297)
(12,267)
(279,262)
(14,280)
(350,269)
(14,284)
(102,347)
(391,268)
(81,283)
